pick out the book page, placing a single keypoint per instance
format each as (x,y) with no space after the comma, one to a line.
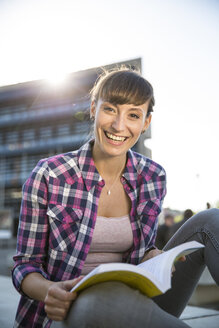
(161,265)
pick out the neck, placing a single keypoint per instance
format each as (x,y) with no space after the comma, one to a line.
(109,166)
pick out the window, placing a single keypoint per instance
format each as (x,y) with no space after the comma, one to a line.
(28,135)
(45,132)
(12,137)
(63,129)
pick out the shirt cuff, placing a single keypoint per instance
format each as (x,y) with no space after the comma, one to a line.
(150,249)
(21,271)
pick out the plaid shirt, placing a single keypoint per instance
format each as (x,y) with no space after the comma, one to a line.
(58,215)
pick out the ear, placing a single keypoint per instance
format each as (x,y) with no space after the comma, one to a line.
(92,110)
(147,123)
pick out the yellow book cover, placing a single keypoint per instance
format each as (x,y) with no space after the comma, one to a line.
(152,277)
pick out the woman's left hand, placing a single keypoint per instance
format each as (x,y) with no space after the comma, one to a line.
(152,253)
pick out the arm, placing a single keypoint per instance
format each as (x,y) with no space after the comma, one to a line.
(152,193)
(35,286)
(33,228)
(29,274)
(153,210)
(153,196)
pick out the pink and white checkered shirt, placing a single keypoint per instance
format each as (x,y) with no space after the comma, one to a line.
(58,215)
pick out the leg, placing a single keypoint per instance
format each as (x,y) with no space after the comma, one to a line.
(204,228)
(114,304)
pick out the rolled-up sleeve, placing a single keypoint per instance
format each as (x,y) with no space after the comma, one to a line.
(152,190)
(33,227)
(157,206)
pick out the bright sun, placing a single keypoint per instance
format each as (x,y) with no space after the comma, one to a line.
(56,78)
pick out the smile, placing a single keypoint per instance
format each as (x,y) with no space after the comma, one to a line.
(114,137)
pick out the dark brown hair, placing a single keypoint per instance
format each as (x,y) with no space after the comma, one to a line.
(123,86)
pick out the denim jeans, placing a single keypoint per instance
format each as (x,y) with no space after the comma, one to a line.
(115,305)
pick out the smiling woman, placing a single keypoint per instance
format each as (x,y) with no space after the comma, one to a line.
(100,181)
(121,105)
(100,204)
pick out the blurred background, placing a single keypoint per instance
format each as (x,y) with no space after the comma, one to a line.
(52,52)
(179,47)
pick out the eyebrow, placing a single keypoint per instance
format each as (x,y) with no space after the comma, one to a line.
(116,105)
(138,109)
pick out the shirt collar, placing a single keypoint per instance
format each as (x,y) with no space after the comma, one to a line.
(131,172)
(92,177)
(87,167)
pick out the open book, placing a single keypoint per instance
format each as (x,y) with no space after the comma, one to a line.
(152,277)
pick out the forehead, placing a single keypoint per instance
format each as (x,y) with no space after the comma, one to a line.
(142,107)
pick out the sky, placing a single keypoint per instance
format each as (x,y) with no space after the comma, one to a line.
(178,41)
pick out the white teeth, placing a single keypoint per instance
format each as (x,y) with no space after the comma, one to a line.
(113,137)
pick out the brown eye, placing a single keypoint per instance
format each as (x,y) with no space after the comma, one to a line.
(134,116)
(108,109)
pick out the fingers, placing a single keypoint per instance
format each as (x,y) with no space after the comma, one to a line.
(173,270)
(68,284)
(61,290)
(55,309)
(182,259)
(59,299)
(56,306)
(152,253)
(57,313)
(60,294)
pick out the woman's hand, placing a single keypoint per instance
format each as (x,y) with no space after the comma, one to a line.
(59,299)
(152,253)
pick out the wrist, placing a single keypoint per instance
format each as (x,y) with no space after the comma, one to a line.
(35,286)
(150,249)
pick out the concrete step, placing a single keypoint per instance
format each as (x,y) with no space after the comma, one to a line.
(197,317)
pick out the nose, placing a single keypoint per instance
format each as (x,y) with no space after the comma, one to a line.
(118,123)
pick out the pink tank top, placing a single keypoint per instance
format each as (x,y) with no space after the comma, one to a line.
(111,238)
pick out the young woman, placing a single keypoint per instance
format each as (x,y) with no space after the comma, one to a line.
(100,204)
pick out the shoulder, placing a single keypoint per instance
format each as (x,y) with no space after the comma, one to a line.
(68,167)
(62,162)
(146,167)
(58,166)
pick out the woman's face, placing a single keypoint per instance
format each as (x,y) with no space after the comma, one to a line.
(118,127)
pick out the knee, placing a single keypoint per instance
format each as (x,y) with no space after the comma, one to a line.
(93,305)
(208,219)
(83,310)
(109,302)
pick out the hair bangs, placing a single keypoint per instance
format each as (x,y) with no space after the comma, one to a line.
(123,86)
